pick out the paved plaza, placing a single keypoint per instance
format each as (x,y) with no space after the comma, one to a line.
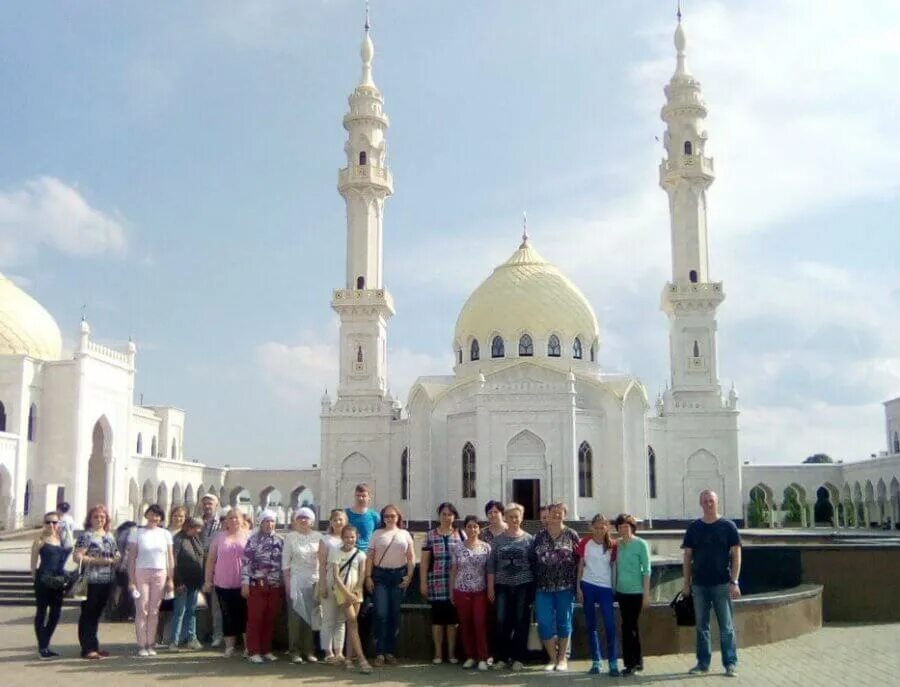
(836,655)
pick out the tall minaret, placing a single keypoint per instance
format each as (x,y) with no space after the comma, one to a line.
(690,299)
(364,305)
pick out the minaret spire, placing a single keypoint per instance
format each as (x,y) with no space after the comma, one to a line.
(524,230)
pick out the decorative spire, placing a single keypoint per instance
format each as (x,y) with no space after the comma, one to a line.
(367,52)
(680,44)
(524,230)
(369,26)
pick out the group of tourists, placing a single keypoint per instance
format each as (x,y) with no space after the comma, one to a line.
(483,583)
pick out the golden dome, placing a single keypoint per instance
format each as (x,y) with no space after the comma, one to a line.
(527,295)
(26,328)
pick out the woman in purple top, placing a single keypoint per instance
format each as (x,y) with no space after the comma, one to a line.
(468,580)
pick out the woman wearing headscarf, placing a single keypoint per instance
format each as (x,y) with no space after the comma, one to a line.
(262,584)
(300,564)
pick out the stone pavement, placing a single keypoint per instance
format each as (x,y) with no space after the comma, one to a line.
(835,655)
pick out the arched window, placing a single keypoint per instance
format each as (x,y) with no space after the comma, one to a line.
(693,276)
(594,351)
(688,148)
(32,422)
(360,283)
(359,354)
(577,352)
(140,444)
(497,349)
(174,452)
(553,347)
(585,471)
(153,447)
(468,471)
(404,475)
(526,346)
(651,470)
(896,442)
(362,157)
(474,353)
(459,356)
(696,349)
(2,417)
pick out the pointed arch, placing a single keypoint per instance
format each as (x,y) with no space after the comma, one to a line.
(189,501)
(162,496)
(651,471)
(594,351)
(177,495)
(498,349)
(139,448)
(526,346)
(468,471)
(404,475)
(585,470)
(554,350)
(474,352)
(577,349)
(173,454)
(153,447)
(99,462)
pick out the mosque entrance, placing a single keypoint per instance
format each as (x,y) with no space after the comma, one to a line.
(528,493)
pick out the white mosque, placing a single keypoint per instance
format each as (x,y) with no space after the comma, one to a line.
(528,414)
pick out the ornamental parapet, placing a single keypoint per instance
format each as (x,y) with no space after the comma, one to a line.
(365,175)
(692,296)
(362,298)
(686,166)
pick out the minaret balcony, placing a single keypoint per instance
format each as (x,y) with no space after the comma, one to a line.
(685,166)
(374,300)
(690,296)
(366,175)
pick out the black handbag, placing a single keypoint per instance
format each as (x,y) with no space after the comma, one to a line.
(684,610)
(55,582)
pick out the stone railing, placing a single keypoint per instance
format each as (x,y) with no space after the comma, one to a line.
(107,353)
(367,174)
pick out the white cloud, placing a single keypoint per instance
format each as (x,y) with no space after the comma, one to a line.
(47,211)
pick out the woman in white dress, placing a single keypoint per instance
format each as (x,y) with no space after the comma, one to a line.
(300,564)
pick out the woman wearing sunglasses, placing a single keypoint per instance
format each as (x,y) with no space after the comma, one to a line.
(48,561)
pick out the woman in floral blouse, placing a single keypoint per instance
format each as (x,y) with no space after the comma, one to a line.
(262,584)
(468,580)
(437,556)
(555,565)
(98,555)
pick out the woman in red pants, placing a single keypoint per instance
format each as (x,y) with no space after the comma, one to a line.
(263,586)
(468,580)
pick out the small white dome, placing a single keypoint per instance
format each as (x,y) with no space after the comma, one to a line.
(26,328)
(526,295)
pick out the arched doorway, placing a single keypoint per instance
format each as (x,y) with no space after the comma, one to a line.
(355,469)
(98,464)
(759,512)
(526,465)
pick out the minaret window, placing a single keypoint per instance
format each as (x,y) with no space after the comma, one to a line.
(497,348)
(474,353)
(32,422)
(140,444)
(468,471)
(696,349)
(2,417)
(577,351)
(359,354)
(553,348)
(362,157)
(360,283)
(404,475)
(651,470)
(585,471)
(688,148)
(526,346)
(692,275)
(153,447)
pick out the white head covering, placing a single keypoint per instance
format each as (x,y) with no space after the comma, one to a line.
(305,513)
(267,515)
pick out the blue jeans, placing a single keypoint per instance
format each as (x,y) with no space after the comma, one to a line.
(594,596)
(554,613)
(184,616)
(513,607)
(388,596)
(715,596)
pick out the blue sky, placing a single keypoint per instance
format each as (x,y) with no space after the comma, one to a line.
(173,166)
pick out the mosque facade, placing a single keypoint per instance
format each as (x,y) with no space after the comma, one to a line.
(527,413)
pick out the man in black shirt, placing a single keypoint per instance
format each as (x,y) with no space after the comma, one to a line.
(711,567)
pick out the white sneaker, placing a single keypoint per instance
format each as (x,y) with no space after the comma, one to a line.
(151,651)
(256,658)
(270,657)
(143,653)
(482,665)
(549,668)
(517,666)
(562,666)
(312,658)
(216,643)
(470,662)
(229,652)
(194,645)
(297,659)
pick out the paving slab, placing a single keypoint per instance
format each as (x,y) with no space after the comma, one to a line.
(836,655)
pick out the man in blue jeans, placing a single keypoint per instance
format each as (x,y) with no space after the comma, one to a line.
(711,567)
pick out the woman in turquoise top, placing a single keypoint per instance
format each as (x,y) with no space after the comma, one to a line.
(632,588)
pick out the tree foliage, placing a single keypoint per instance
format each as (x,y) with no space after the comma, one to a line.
(818,458)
